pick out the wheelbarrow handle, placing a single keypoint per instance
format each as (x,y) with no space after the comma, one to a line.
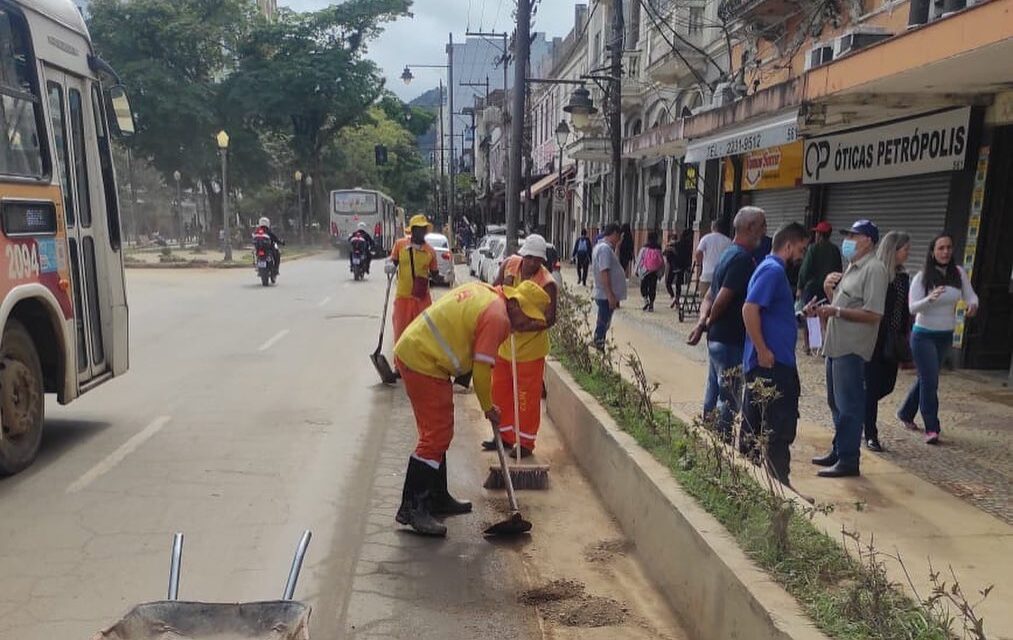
(175,563)
(293,573)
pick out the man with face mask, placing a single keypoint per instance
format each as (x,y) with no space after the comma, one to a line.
(413,261)
(859,296)
(769,354)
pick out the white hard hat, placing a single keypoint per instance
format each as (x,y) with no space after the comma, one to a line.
(535,246)
(362,225)
(265,222)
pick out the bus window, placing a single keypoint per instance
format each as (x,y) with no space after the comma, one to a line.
(91,276)
(80,155)
(20,107)
(108,179)
(59,117)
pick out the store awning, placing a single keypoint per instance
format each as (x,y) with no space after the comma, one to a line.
(763,134)
(546,182)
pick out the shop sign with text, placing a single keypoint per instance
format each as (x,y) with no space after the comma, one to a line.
(774,168)
(929,144)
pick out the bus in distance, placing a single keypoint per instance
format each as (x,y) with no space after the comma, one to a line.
(383,219)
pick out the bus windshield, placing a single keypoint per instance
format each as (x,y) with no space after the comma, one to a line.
(354,203)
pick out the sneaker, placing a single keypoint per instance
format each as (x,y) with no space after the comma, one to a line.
(873,445)
(908,424)
(931,438)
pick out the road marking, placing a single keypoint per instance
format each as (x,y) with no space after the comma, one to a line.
(117,456)
(273,341)
(323,303)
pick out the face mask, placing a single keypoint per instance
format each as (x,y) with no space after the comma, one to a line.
(848,249)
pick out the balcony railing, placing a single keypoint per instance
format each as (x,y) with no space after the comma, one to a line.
(633,85)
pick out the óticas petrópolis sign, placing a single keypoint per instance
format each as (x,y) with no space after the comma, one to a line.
(929,144)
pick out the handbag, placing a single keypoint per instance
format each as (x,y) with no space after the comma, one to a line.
(896,348)
(420,286)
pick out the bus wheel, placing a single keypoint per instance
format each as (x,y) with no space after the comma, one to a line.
(22,399)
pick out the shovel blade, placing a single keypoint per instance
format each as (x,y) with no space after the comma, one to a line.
(515,525)
(383,368)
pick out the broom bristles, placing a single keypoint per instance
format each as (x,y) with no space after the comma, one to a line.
(523,477)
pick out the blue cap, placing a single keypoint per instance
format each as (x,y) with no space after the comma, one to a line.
(865,228)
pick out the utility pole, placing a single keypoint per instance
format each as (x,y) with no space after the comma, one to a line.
(439,145)
(450,81)
(522,44)
(616,106)
(478,143)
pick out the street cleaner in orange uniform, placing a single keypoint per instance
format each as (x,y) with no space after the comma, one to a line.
(461,333)
(413,260)
(532,349)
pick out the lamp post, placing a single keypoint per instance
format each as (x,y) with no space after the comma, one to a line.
(309,196)
(298,187)
(562,136)
(179,208)
(223,150)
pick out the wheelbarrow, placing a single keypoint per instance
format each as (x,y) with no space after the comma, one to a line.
(174,619)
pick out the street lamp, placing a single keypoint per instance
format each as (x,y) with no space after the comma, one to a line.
(309,194)
(177,176)
(298,187)
(407,76)
(562,134)
(223,150)
(580,108)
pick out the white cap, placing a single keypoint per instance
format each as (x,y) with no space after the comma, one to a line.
(535,246)
(264,222)
(362,225)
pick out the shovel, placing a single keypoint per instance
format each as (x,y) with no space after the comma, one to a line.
(379,360)
(515,525)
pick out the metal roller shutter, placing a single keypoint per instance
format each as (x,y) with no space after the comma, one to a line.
(782,206)
(915,204)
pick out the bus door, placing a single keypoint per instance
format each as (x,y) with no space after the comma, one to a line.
(72,123)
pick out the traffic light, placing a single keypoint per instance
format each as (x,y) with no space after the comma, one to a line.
(381,154)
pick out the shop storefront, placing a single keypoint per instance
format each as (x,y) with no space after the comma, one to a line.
(900,175)
(772,180)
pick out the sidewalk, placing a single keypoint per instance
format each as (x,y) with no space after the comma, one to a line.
(927,503)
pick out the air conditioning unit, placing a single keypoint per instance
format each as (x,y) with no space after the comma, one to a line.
(858,39)
(820,54)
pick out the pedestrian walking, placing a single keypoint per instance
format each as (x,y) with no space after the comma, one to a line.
(582,256)
(859,295)
(530,348)
(892,341)
(673,275)
(710,249)
(460,334)
(769,355)
(935,292)
(650,265)
(721,320)
(821,259)
(626,249)
(609,280)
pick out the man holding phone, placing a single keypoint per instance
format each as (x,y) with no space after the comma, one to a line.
(858,298)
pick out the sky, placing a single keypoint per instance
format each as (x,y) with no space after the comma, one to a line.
(421,40)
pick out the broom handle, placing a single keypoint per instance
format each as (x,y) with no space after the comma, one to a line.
(506,471)
(383,319)
(517,400)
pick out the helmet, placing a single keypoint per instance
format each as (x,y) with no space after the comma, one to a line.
(534,246)
(419,220)
(362,226)
(264,222)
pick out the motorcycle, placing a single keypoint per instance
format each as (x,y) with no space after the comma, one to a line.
(358,259)
(263,256)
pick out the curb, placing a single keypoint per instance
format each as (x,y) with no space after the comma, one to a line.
(713,587)
(204,264)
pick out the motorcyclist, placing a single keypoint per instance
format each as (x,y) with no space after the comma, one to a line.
(264,229)
(361,234)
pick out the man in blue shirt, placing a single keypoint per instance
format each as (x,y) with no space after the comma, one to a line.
(721,319)
(769,355)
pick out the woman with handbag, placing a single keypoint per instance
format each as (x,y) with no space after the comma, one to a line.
(650,264)
(892,343)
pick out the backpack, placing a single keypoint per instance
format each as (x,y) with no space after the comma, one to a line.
(653,260)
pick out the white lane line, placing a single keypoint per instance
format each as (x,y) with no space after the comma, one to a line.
(117,456)
(274,340)
(323,303)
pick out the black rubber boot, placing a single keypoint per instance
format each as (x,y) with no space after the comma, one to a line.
(420,480)
(828,460)
(444,504)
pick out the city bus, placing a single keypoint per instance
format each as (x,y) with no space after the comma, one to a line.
(376,209)
(63,304)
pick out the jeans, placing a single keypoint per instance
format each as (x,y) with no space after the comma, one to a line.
(723,389)
(846,397)
(649,288)
(880,380)
(674,277)
(929,350)
(582,267)
(779,419)
(604,321)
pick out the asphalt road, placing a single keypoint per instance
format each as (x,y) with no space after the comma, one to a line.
(248,415)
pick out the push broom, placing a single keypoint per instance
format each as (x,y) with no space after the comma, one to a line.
(524,476)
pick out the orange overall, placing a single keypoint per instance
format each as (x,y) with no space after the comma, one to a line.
(463,328)
(532,348)
(407,306)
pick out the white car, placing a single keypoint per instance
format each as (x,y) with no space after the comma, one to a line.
(493,257)
(444,259)
(476,257)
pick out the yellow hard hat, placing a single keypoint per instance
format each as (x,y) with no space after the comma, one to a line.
(419,220)
(532,299)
